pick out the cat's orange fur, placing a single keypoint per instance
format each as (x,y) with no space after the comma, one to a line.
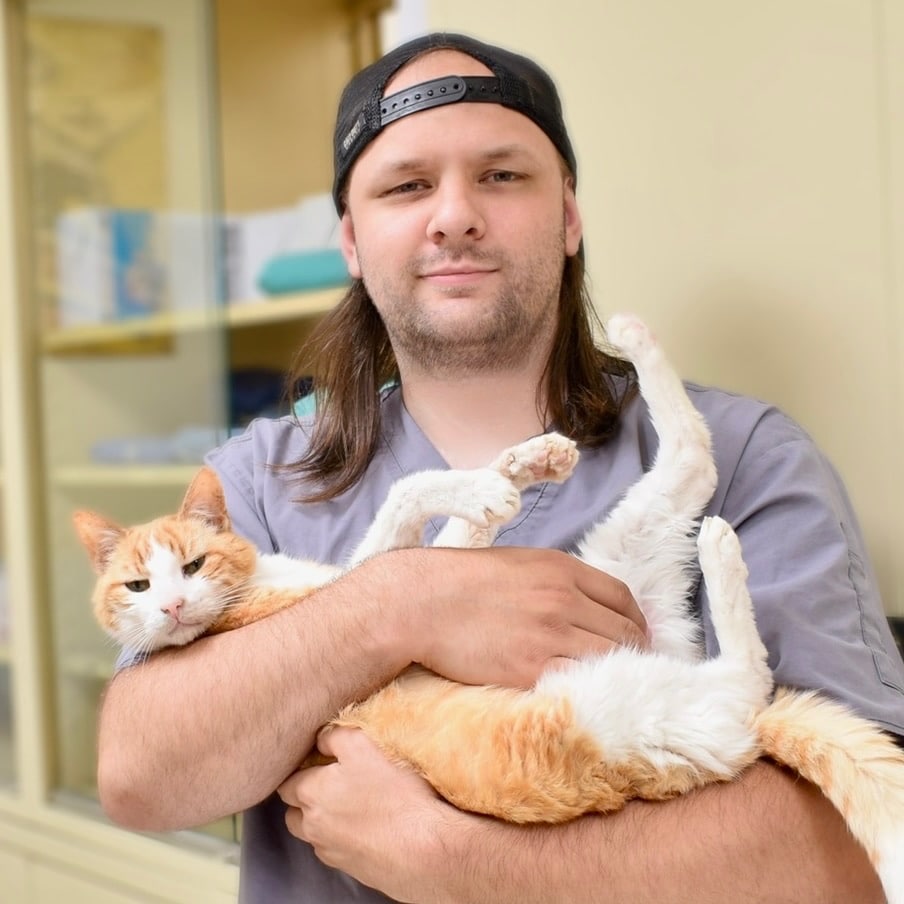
(495,751)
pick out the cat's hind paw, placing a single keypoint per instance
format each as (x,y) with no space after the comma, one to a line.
(550,456)
(720,551)
(630,335)
(730,605)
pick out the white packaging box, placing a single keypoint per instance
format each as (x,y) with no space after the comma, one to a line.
(249,242)
(124,264)
(192,246)
(252,240)
(84,268)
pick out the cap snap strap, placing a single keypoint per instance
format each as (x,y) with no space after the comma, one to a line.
(440,91)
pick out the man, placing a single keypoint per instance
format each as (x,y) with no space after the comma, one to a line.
(455,179)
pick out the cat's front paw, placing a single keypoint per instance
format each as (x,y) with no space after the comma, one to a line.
(630,335)
(487,498)
(550,456)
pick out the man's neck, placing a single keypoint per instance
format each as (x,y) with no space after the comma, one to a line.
(471,420)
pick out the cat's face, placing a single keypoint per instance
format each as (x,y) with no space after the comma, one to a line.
(167,582)
(164,583)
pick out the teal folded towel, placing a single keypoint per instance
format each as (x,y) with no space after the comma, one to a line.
(297,271)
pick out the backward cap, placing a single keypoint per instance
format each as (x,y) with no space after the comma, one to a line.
(517,83)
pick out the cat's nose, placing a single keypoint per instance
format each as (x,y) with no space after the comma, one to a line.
(174,609)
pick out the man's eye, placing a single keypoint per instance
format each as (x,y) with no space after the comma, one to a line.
(502,176)
(406,188)
(193,566)
(138,586)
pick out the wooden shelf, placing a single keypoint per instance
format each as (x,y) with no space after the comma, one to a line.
(98,337)
(135,476)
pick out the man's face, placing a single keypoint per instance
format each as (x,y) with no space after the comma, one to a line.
(458,220)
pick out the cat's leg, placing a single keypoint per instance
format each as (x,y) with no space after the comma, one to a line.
(731,608)
(648,539)
(548,457)
(683,435)
(738,683)
(481,496)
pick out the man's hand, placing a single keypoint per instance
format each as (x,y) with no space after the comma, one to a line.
(366,816)
(503,615)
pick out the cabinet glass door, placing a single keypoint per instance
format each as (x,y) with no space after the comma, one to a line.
(124,244)
(160,189)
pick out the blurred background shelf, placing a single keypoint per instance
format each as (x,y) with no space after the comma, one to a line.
(96,338)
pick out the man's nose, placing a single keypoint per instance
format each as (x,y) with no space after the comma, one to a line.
(457,213)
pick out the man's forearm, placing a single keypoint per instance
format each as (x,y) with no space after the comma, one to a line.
(767,837)
(210,729)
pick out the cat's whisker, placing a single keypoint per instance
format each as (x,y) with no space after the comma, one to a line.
(138,639)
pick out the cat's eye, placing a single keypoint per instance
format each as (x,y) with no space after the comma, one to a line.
(192,567)
(138,586)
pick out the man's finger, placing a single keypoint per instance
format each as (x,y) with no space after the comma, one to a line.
(325,740)
(288,791)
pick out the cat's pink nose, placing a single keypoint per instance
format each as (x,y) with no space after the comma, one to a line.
(174,609)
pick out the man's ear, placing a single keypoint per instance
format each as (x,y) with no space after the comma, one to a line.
(348,245)
(574,227)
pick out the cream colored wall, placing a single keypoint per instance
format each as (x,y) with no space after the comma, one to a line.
(742,186)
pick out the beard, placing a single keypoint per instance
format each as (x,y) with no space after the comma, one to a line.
(502,334)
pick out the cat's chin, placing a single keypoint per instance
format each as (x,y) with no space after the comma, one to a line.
(182,633)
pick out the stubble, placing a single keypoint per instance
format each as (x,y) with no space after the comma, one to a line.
(517,320)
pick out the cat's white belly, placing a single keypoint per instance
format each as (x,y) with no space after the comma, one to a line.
(669,711)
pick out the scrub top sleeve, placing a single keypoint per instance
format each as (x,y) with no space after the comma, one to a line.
(234,463)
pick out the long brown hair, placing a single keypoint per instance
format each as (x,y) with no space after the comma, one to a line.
(350,358)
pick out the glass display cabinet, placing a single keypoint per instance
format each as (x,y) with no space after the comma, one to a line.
(162,156)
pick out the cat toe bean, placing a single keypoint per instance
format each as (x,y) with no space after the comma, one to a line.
(629,334)
(547,457)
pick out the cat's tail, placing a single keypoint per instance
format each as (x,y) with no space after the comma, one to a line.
(856,765)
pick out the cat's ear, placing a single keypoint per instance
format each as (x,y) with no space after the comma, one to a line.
(206,500)
(99,536)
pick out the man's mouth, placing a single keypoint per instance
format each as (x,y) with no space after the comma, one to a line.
(457,275)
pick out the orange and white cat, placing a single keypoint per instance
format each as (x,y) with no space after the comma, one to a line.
(587,737)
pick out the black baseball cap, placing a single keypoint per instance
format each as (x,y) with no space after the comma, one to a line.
(517,83)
